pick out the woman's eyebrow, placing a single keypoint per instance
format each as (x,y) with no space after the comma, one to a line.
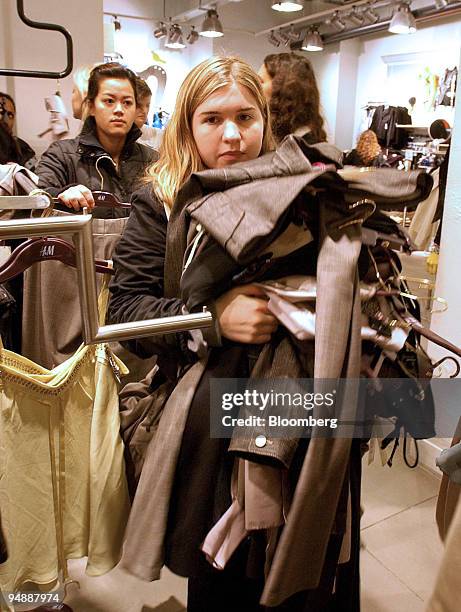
(114,95)
(218,112)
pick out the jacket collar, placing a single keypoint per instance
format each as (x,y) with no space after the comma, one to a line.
(88,137)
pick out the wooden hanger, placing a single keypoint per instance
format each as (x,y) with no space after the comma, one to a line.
(36,250)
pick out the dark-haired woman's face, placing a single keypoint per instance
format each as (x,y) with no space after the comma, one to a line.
(266,81)
(9,115)
(114,108)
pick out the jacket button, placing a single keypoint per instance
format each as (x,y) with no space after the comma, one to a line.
(260,441)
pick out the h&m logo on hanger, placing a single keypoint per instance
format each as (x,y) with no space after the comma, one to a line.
(47,250)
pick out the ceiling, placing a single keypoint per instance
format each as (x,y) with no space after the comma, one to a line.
(258,18)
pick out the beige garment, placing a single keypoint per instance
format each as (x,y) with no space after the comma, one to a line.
(259,501)
(63,491)
(422,230)
(445,597)
(15,180)
(449,494)
(52,324)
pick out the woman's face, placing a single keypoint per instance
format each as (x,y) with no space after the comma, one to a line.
(228,127)
(114,108)
(266,81)
(10,114)
(142,111)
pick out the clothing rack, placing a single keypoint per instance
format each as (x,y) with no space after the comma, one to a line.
(79,227)
(33,202)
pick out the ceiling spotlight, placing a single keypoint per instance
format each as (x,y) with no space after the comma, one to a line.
(441,4)
(355,17)
(273,39)
(211,26)
(193,36)
(117,24)
(370,14)
(312,41)
(337,22)
(175,40)
(403,21)
(161,31)
(287,7)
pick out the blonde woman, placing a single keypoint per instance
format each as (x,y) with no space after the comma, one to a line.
(221,117)
(367,152)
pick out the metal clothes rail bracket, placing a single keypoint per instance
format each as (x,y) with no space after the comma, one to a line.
(39,25)
(79,227)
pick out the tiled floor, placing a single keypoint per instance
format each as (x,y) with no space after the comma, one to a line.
(400,554)
(401,547)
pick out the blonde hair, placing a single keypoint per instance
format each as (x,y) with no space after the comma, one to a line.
(179,156)
(368,146)
(81,76)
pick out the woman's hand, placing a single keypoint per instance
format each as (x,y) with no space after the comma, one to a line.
(244,317)
(77,197)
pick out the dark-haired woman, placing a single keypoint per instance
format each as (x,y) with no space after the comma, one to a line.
(105,156)
(12,148)
(290,86)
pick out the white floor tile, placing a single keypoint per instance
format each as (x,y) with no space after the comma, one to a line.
(387,491)
(382,591)
(408,545)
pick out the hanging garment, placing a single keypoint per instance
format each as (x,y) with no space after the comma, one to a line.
(15,180)
(422,227)
(445,596)
(446,93)
(7,310)
(51,320)
(63,491)
(384,124)
(3,551)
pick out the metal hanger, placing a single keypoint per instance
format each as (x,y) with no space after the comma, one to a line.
(449,358)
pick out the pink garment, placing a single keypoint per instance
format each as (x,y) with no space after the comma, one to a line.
(258,503)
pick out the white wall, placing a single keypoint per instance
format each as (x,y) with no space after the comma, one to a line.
(26,48)
(436,45)
(448,323)
(247,46)
(349,51)
(326,68)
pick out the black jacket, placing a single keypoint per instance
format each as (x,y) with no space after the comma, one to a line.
(138,285)
(77,161)
(384,125)
(13,149)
